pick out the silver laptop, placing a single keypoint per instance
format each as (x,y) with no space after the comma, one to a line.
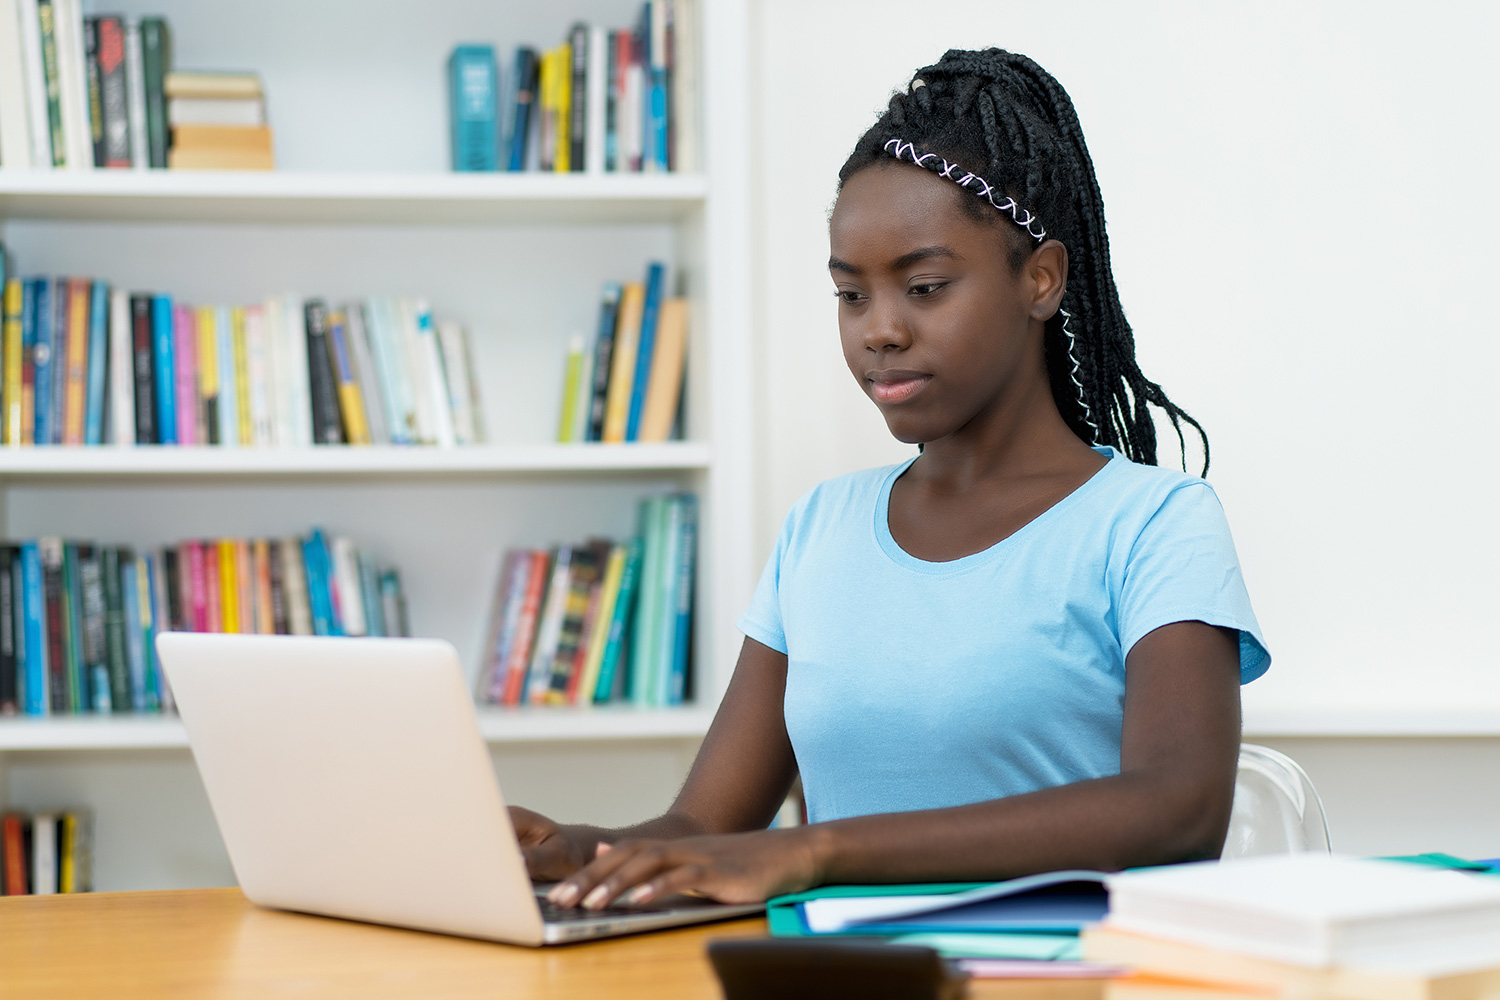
(349,779)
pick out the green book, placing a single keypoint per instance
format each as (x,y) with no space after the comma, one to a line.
(619,625)
(156,62)
(47,20)
(665,585)
(116,659)
(567,420)
(72,631)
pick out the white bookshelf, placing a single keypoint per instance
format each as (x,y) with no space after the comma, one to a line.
(363,205)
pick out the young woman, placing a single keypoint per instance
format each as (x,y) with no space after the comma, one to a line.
(1020,650)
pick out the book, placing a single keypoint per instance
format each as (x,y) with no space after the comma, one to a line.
(72,84)
(12,627)
(247,112)
(142,339)
(567,418)
(327,424)
(36,699)
(162,362)
(1188,965)
(523,86)
(185,374)
(367,378)
(62,302)
(393,604)
(685,87)
(668,364)
(463,387)
(205,323)
(473,108)
(594,125)
(96,363)
(549,626)
(646,632)
(33,69)
(1312,909)
(577,85)
(121,370)
(149,694)
(94,686)
(28,361)
(345,583)
(47,20)
(95,88)
(224,84)
(429,368)
(604,342)
(220,158)
(227,419)
(76,360)
(519,650)
(135,95)
(46,860)
(623,362)
(584,573)
(71,616)
(612,660)
(351,403)
(117,657)
(13,851)
(15,127)
(113,91)
(678,618)
(645,348)
(156,59)
(11,351)
(241,411)
(597,635)
(589,631)
(294,577)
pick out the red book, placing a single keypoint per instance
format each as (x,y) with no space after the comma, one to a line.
(213,600)
(13,847)
(519,659)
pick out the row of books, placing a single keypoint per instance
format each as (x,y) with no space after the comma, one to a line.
(621,100)
(84,363)
(79,92)
(46,852)
(78,619)
(626,385)
(596,623)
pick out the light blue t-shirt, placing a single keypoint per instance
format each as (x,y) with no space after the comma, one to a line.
(918,685)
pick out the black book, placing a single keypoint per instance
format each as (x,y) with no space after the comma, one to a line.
(328,426)
(172,580)
(578,103)
(156,61)
(524,108)
(113,95)
(277,572)
(144,368)
(116,659)
(96,90)
(11,627)
(604,350)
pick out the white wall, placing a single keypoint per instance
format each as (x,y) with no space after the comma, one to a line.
(1302,211)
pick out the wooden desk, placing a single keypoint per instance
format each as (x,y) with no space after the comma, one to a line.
(214,943)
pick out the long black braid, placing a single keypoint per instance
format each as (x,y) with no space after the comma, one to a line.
(1005,118)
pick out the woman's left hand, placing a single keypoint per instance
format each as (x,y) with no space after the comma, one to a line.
(731,868)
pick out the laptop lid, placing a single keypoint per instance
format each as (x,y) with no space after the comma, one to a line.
(349,779)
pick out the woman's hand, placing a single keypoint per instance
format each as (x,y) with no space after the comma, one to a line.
(551,850)
(731,868)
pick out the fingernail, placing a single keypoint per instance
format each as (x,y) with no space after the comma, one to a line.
(597,898)
(602,848)
(635,897)
(563,895)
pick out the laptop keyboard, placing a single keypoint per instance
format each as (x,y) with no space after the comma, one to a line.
(554,914)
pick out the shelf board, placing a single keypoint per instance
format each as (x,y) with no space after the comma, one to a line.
(126,732)
(276,197)
(72,463)
(1369,722)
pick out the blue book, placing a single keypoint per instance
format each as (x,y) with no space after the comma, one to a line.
(315,562)
(474,108)
(650,311)
(149,672)
(93,416)
(41,431)
(58,403)
(166,375)
(34,679)
(135,640)
(682,601)
(523,103)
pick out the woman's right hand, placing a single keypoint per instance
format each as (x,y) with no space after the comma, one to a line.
(551,851)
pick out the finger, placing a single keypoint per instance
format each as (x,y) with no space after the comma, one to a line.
(693,877)
(641,867)
(586,879)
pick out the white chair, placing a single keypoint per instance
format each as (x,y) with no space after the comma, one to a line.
(1276,808)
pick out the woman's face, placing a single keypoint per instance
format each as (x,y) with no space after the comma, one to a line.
(937,328)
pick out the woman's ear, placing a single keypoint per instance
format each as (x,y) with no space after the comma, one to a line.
(1047,269)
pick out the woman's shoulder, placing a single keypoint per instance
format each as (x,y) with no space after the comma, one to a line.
(837,497)
(1149,483)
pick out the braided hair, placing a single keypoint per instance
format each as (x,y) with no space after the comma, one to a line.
(1006,120)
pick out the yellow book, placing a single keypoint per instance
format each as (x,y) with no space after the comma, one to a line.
(245,430)
(351,400)
(76,361)
(563,80)
(622,361)
(668,360)
(11,433)
(208,372)
(597,639)
(567,420)
(67,853)
(265,621)
(229,600)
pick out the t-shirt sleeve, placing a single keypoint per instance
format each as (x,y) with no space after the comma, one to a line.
(762,620)
(1183,567)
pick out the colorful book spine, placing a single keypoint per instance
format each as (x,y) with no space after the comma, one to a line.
(567,418)
(35,672)
(681,605)
(242,418)
(604,345)
(617,638)
(645,349)
(668,364)
(327,426)
(524,84)
(473,103)
(645,640)
(228,419)
(597,638)
(10,344)
(206,324)
(351,401)
(155,57)
(121,374)
(145,369)
(28,362)
(12,626)
(47,19)
(43,361)
(577,83)
(135,652)
(113,94)
(623,362)
(518,656)
(76,360)
(185,371)
(166,378)
(97,364)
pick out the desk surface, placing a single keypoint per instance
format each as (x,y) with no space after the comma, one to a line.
(213,942)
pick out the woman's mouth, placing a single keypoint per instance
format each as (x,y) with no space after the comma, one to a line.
(896,387)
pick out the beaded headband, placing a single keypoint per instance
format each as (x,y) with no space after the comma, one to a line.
(903,150)
(931,161)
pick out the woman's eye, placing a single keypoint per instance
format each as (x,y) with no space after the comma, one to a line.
(847,296)
(926,288)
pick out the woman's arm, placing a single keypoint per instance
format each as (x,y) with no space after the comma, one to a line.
(1170,802)
(738,780)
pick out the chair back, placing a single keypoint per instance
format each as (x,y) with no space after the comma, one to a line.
(1276,808)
